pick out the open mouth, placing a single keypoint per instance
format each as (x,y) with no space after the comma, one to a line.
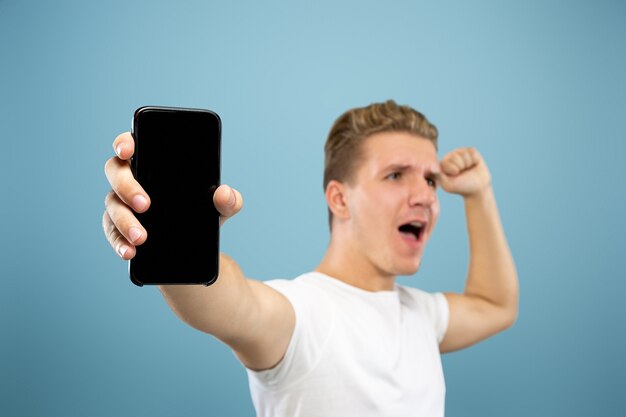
(413,230)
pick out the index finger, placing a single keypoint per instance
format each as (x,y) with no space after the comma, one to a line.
(124,146)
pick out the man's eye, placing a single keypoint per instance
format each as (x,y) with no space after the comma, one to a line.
(394,176)
(431,182)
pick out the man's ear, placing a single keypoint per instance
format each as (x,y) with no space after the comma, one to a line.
(336,198)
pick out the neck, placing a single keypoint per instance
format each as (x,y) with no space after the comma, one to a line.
(344,263)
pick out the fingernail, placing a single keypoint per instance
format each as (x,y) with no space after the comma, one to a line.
(122,250)
(134,233)
(139,202)
(118,150)
(232,198)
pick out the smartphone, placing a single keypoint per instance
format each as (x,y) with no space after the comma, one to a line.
(177,162)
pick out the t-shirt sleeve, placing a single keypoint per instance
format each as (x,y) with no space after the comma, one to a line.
(312,326)
(441,315)
(433,307)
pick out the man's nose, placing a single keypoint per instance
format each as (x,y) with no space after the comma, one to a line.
(422,193)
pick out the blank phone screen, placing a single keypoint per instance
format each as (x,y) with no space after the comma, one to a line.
(177,162)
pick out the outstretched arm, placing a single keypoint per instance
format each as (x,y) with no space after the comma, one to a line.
(489,303)
(255,320)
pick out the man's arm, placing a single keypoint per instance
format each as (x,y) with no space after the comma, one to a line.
(489,303)
(255,320)
(252,318)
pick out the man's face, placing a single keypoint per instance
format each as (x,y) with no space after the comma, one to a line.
(393,201)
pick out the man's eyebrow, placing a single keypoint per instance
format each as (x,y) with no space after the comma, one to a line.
(396,167)
(435,176)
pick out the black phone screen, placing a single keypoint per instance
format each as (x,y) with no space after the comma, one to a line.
(177,162)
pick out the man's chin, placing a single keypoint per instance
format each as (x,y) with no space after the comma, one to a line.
(409,269)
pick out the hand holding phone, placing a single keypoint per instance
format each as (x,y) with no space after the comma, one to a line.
(174,238)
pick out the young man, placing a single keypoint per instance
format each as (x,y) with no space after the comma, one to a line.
(345,339)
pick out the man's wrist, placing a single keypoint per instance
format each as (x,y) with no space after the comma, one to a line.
(479,197)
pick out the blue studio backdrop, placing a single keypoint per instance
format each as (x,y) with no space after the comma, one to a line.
(539,87)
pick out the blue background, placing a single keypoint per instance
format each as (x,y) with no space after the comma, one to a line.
(539,87)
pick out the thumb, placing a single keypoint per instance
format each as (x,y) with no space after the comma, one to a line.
(228,202)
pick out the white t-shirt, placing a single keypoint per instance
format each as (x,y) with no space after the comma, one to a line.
(356,353)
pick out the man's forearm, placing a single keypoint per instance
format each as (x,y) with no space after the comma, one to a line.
(218,309)
(492,275)
(252,318)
